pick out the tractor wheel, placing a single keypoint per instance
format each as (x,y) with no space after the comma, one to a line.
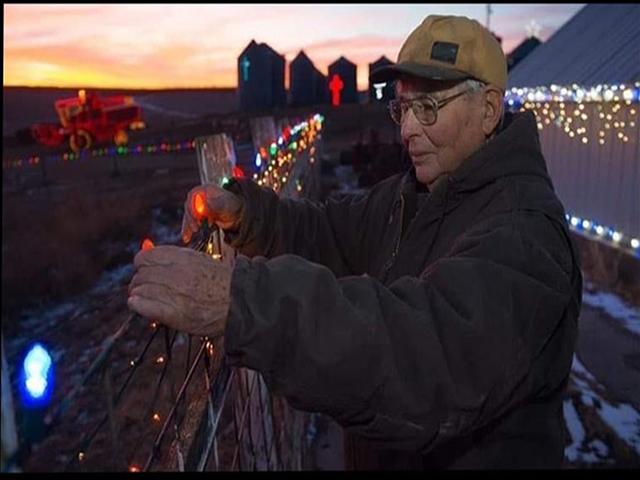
(80,140)
(121,138)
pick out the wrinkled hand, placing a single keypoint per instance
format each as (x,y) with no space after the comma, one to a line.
(181,288)
(220,206)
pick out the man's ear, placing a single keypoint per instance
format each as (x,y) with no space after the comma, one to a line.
(493,108)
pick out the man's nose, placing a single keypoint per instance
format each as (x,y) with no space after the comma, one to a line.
(410,125)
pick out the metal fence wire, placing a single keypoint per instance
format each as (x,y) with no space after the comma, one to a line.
(155,399)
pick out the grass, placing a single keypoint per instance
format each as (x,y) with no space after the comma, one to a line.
(57,241)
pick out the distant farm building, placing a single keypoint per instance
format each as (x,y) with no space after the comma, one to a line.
(261,78)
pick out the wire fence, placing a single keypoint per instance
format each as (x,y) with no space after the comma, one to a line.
(176,404)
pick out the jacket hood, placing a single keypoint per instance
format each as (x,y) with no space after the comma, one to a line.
(515,150)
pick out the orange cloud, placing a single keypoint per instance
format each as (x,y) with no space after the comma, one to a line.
(360,50)
(77,65)
(196,45)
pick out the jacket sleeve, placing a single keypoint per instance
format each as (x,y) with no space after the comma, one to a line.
(419,362)
(326,233)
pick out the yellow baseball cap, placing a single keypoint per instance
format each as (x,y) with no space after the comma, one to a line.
(445,47)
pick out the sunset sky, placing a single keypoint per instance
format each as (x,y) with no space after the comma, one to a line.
(196,45)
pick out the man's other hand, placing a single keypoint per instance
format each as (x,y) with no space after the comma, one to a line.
(181,288)
(213,203)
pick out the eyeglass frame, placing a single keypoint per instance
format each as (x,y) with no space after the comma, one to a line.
(438,104)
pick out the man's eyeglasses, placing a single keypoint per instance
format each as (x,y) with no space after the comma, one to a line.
(425,108)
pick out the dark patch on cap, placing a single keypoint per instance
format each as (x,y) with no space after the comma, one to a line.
(444,52)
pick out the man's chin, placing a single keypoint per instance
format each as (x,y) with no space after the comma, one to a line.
(424,176)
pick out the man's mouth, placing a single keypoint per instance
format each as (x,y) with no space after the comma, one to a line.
(418,154)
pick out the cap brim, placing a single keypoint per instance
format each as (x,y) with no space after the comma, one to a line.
(429,72)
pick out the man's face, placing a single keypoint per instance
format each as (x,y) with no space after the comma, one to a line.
(438,149)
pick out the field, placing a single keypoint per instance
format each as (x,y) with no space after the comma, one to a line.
(63,220)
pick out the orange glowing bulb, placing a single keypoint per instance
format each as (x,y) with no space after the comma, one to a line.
(147,244)
(199,203)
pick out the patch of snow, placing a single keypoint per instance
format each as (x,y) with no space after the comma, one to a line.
(599,447)
(625,420)
(112,278)
(132,247)
(622,418)
(47,316)
(161,233)
(615,307)
(56,355)
(38,320)
(593,452)
(587,400)
(579,368)
(576,430)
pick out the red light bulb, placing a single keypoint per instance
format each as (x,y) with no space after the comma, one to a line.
(237,172)
(147,244)
(199,204)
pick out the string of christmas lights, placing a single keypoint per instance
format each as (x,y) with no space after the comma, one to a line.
(140,149)
(586,114)
(273,170)
(275,161)
(574,93)
(603,232)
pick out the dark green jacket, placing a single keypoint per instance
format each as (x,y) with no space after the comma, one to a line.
(443,339)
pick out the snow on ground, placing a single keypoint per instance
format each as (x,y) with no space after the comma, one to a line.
(37,321)
(162,232)
(575,452)
(622,418)
(615,307)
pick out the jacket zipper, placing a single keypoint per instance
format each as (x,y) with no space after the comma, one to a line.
(390,262)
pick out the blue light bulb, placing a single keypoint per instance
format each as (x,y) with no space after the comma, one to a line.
(36,369)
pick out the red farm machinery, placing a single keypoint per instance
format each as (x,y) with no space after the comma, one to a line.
(88,120)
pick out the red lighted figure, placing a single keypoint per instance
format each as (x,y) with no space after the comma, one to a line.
(335,86)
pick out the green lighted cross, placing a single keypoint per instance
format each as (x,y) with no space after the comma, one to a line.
(245,68)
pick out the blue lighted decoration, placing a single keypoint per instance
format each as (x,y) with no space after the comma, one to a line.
(258,160)
(593,229)
(516,96)
(37,377)
(245,68)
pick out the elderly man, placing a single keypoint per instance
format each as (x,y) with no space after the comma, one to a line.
(434,317)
